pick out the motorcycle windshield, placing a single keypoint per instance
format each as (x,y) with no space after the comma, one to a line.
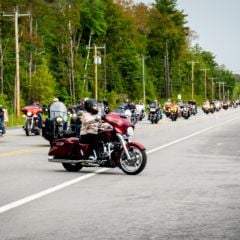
(152,105)
(58,109)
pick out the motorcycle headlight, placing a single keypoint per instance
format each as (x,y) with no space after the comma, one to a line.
(59,120)
(29,114)
(130,131)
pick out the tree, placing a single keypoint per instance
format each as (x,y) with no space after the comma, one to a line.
(43,84)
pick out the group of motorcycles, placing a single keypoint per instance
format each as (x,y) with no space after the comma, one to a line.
(215,105)
(114,146)
(171,110)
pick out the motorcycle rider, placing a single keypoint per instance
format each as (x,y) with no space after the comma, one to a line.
(78,110)
(35,102)
(89,128)
(130,111)
(140,109)
(157,106)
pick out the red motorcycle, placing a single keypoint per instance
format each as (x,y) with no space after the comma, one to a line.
(114,148)
(32,124)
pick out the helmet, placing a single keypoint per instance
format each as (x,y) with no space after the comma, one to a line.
(91,106)
(55,100)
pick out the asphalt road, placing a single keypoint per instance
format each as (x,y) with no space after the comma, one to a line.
(190,188)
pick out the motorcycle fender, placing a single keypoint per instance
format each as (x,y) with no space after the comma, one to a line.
(128,145)
(136,144)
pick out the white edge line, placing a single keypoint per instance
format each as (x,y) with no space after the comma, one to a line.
(43,193)
(191,135)
(48,191)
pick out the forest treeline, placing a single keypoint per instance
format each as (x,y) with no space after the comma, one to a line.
(115,49)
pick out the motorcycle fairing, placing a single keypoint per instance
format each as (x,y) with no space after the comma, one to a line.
(120,124)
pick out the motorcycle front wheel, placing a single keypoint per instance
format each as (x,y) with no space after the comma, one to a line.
(137,162)
(72,167)
(28,128)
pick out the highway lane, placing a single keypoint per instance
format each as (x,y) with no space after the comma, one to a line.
(189,189)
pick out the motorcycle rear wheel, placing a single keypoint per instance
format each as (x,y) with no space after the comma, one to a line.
(72,167)
(136,164)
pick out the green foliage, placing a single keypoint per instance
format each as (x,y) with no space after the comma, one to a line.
(55,60)
(43,84)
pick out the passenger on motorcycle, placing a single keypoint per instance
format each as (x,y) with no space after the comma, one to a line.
(90,124)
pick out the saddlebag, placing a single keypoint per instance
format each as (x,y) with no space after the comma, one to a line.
(62,148)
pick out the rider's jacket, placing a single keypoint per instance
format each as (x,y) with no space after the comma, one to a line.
(90,123)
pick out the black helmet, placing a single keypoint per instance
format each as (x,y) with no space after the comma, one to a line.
(91,106)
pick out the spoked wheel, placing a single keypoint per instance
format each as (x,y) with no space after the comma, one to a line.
(72,167)
(137,162)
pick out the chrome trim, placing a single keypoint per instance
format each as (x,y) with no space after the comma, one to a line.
(123,143)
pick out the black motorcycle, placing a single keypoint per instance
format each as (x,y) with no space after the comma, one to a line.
(185,111)
(75,120)
(154,114)
(55,125)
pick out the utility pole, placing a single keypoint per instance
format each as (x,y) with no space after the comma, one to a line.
(16,15)
(1,62)
(223,91)
(193,63)
(205,81)
(143,79)
(96,62)
(167,74)
(212,78)
(219,89)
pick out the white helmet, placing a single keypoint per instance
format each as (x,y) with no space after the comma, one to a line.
(55,100)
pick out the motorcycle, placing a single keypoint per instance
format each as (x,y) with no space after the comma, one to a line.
(173,111)
(32,124)
(193,107)
(114,148)
(55,125)
(2,128)
(185,111)
(140,112)
(134,118)
(75,120)
(208,107)
(154,114)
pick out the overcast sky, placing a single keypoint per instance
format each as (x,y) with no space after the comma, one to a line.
(216,23)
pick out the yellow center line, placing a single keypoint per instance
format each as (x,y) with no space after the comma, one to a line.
(16,152)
